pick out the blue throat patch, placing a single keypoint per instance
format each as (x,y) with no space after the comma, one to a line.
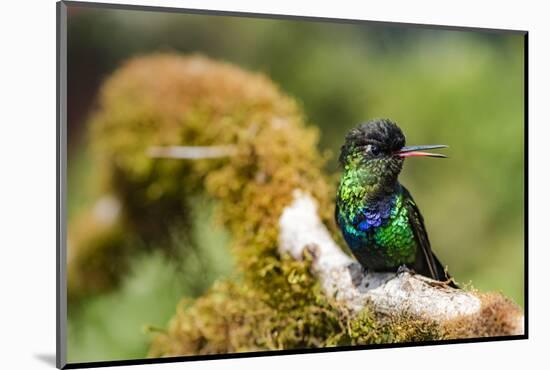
(374,215)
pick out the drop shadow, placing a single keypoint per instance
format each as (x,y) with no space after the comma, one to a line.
(47,358)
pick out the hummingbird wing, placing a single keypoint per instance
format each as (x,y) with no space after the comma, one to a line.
(336,212)
(426,262)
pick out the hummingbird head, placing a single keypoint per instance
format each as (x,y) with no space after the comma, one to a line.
(378,147)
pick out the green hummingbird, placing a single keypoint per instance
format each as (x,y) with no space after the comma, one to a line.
(378,217)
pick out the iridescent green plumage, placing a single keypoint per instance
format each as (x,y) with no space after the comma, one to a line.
(396,237)
(377,215)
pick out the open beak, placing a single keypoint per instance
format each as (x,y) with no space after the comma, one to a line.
(415,151)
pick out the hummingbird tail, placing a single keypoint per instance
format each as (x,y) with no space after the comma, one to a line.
(443,274)
(434,269)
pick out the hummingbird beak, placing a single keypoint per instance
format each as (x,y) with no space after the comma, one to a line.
(413,151)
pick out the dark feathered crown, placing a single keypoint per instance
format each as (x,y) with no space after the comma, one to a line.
(382,132)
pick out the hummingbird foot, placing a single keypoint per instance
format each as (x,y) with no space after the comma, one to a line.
(403,268)
(357,273)
(443,284)
(449,283)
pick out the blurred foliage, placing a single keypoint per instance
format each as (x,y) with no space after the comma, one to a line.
(118,325)
(452,87)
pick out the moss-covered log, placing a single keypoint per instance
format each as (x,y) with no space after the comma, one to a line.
(282,296)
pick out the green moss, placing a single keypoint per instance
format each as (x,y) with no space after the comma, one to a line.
(235,316)
(293,313)
(368,328)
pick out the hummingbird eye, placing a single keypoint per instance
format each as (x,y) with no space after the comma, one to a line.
(372,149)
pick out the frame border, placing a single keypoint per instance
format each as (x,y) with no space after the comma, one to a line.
(61,184)
(167,9)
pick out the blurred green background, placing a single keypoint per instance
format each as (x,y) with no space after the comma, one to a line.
(464,89)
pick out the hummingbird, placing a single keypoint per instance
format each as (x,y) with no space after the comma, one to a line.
(378,216)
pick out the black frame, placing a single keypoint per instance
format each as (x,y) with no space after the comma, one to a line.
(61,185)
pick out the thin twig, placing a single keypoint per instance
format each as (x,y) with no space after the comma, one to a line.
(192,152)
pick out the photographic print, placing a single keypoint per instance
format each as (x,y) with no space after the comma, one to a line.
(241,184)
